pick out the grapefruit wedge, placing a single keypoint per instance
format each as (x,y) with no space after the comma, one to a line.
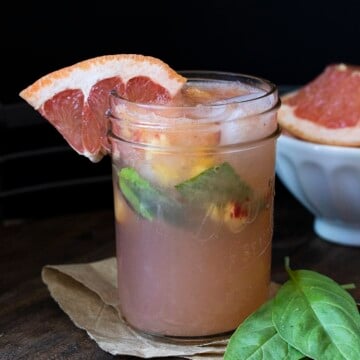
(74,99)
(327,109)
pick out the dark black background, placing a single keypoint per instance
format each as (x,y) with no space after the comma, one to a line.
(286,42)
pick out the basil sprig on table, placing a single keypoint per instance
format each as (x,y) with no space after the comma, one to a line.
(257,338)
(311,316)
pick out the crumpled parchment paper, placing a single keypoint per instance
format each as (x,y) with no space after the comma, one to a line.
(87,293)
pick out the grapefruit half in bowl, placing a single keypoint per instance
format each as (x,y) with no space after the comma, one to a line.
(327,109)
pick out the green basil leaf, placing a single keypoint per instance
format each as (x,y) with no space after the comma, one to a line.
(146,200)
(317,316)
(257,339)
(217,185)
(130,185)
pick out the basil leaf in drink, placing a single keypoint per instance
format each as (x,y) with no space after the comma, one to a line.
(217,185)
(317,316)
(131,184)
(257,338)
(146,200)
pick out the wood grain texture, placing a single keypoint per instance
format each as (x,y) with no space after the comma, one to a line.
(32,326)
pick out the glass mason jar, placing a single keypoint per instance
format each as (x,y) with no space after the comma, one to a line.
(193,195)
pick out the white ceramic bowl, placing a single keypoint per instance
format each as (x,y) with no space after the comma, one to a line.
(326,180)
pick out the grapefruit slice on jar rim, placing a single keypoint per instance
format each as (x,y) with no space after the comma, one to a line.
(74,99)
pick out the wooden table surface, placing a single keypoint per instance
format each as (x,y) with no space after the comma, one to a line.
(32,326)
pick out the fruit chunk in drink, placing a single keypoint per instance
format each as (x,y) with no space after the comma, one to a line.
(193,187)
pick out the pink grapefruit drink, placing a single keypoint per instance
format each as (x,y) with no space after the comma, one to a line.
(193,176)
(193,193)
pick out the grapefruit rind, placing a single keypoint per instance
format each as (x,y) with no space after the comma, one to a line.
(83,75)
(311,131)
(331,88)
(71,98)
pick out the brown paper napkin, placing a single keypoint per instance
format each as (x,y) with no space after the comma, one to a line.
(87,294)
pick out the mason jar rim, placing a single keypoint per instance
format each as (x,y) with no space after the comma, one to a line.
(129,119)
(216,76)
